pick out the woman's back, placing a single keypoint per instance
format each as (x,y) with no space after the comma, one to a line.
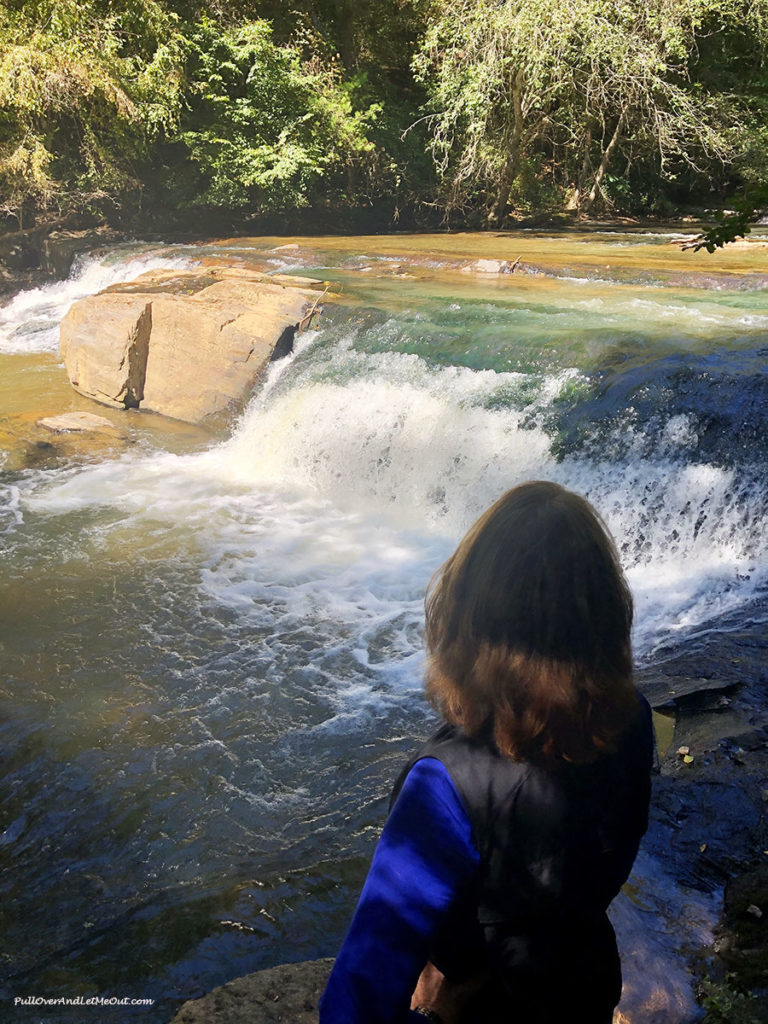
(555,848)
(518,822)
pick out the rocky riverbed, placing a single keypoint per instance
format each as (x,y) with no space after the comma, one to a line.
(710,808)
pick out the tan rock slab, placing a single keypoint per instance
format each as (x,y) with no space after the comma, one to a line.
(488,267)
(186,344)
(77,422)
(208,349)
(104,341)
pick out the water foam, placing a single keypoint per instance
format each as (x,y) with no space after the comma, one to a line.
(689,534)
(342,443)
(10,508)
(384,434)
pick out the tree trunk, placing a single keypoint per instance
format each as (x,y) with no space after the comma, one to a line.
(606,159)
(574,203)
(500,207)
(346,28)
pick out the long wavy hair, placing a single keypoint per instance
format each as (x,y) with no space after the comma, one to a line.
(528,630)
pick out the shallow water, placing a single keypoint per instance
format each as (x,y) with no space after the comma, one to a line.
(211,646)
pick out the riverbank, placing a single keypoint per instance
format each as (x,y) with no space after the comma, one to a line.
(36,256)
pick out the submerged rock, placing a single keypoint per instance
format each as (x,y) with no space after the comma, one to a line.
(77,422)
(189,345)
(488,267)
(34,441)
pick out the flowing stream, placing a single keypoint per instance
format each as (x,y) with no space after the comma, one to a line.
(211,646)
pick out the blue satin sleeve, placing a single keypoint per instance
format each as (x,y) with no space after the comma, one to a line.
(425,857)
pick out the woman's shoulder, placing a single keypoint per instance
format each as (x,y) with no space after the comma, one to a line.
(481,776)
(469,760)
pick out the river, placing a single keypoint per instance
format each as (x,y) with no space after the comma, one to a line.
(211,644)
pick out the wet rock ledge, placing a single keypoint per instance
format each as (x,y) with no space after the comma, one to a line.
(287,994)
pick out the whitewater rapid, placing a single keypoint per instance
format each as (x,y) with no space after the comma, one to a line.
(29,322)
(358,472)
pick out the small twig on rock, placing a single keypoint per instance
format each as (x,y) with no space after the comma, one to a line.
(307,318)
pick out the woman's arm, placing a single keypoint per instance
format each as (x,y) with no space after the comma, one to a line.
(424,859)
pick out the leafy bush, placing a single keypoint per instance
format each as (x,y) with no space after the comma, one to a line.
(263,128)
(84,88)
(725,1004)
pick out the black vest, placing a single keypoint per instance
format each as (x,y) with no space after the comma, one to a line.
(555,848)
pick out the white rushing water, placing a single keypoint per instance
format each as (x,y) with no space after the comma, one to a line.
(352,475)
(30,321)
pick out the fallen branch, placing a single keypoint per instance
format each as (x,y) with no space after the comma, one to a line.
(307,318)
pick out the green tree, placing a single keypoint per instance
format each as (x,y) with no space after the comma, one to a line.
(102,103)
(84,87)
(263,127)
(570,88)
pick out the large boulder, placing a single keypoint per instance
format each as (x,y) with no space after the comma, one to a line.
(189,345)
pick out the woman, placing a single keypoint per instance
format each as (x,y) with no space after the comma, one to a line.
(517,823)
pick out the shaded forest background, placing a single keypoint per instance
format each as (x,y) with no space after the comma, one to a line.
(375,114)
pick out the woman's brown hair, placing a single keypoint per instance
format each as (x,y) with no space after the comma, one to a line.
(528,629)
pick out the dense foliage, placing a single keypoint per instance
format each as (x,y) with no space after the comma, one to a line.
(591,99)
(476,110)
